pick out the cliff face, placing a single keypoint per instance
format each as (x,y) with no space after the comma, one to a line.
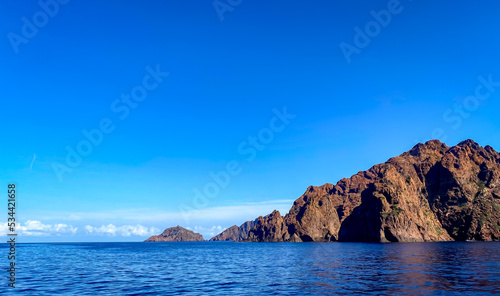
(176,234)
(430,193)
(235,233)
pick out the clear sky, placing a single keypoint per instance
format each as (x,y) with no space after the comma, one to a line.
(361,81)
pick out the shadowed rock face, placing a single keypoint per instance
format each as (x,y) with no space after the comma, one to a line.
(235,233)
(430,193)
(176,234)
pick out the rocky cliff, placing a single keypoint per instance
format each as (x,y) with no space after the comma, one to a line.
(430,193)
(235,233)
(176,234)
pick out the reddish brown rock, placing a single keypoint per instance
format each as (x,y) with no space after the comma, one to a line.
(270,228)
(235,233)
(176,234)
(430,193)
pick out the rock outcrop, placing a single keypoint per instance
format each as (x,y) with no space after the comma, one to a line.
(176,234)
(235,233)
(430,193)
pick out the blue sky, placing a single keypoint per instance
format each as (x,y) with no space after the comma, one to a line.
(417,77)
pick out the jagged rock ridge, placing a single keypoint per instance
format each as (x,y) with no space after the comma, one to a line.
(235,233)
(431,193)
(176,234)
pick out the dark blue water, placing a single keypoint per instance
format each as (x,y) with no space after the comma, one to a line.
(211,268)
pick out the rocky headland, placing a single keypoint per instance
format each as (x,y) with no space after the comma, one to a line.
(431,193)
(235,233)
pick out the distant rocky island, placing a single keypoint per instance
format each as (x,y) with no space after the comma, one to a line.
(176,234)
(431,193)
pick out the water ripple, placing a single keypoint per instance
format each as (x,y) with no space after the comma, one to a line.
(204,268)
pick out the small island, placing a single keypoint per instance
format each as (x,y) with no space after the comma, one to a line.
(176,234)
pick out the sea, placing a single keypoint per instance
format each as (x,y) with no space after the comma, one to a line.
(227,268)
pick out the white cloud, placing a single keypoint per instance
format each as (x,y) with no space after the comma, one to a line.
(37,228)
(125,230)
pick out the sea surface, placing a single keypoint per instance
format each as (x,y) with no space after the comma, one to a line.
(226,268)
